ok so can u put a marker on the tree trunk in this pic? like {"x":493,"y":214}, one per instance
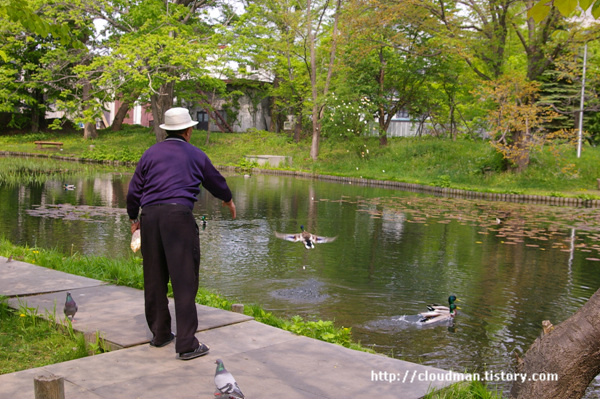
{"x":89,"y":128}
{"x":314,"y":148}
{"x":35,"y":120}
{"x":383,"y":124}
{"x":298,"y":125}
{"x":222,"y":123}
{"x":453,"y":132}
{"x":207,"y":103}
{"x":161,"y":102}
{"x":383,"y":141}
{"x":120,"y":116}
{"x":332,"y":53}
{"x":521,"y":150}
{"x":37,"y":114}
{"x":571,"y":351}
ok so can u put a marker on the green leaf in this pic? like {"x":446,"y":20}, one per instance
{"x":566,"y":7}
{"x":585,"y":4}
{"x":539,"y":11}
{"x":596,"y":9}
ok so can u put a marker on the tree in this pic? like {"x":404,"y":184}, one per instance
{"x":21,"y":54}
{"x":155,"y":49}
{"x":514,"y":118}
{"x":544,"y":42}
{"x":389,"y":54}
{"x":44,"y":64}
{"x":67,"y":64}
{"x":21,"y":12}
{"x":276,"y":45}
{"x":571,"y":350}
{"x":446,"y":100}
{"x":391,"y":80}
{"x":313,"y":30}
{"x":482,"y":31}
{"x":296,"y":42}
{"x":477,"y":30}
{"x":566,"y":7}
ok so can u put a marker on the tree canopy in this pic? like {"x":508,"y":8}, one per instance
{"x":425,"y":60}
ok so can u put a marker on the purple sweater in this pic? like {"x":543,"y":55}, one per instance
{"x":172,"y":172}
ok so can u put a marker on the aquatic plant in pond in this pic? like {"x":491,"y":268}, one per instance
{"x":16,"y":171}
{"x":75,"y":212}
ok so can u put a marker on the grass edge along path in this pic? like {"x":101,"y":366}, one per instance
{"x":28,"y":341}
{"x":464,"y":390}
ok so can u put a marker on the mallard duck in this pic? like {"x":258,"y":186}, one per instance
{"x":438,"y":313}
{"x":69,"y":186}
{"x":307,"y":238}
{"x":435,"y":306}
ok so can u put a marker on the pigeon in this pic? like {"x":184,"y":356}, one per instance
{"x":70,"y":306}
{"x":305,"y":237}
{"x":226,"y":384}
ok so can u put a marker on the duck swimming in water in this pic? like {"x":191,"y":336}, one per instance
{"x":307,"y":238}
{"x":438,"y":313}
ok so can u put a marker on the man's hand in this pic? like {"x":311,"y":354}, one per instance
{"x":231,"y":207}
{"x":135,"y":225}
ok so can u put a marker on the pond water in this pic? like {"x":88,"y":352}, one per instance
{"x":511,"y":265}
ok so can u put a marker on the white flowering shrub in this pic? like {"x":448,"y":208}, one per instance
{"x":345,"y":118}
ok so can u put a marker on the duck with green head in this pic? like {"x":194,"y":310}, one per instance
{"x":437,"y":313}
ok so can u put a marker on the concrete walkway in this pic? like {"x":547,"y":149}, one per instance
{"x":266,"y":361}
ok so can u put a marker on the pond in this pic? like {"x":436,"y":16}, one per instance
{"x":511,"y":265}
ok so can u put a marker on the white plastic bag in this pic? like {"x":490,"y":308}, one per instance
{"x":136,"y":240}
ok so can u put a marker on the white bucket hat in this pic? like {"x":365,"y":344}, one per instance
{"x":177,"y":119}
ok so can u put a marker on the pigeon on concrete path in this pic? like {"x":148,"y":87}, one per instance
{"x":70,"y":306}
{"x":226,"y":384}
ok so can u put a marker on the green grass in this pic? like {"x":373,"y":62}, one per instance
{"x":471,"y":390}
{"x":462,"y":164}
{"x":28,"y":341}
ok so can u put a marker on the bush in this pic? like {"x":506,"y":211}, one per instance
{"x":347,"y":118}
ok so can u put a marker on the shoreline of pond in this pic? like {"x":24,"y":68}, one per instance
{"x":397,"y":185}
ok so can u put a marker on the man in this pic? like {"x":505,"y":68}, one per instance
{"x":165,"y":185}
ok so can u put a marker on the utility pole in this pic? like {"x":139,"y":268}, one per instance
{"x":580,"y":136}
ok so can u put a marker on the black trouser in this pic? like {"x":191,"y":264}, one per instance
{"x":171,"y":248}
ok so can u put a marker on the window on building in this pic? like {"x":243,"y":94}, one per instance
{"x":402,"y":114}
